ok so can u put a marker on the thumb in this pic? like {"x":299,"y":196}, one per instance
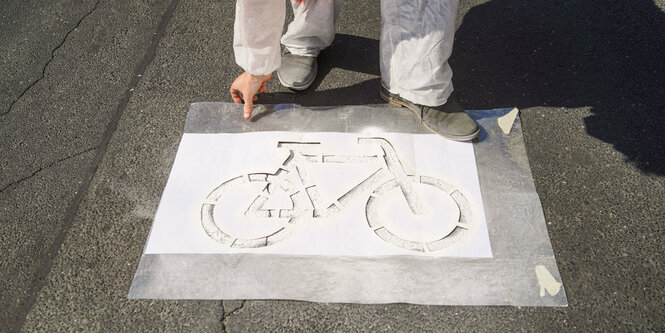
{"x":249,"y":107}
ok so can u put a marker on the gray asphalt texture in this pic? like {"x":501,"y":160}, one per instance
{"x":93,"y":98}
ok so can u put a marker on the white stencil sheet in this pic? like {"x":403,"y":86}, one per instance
{"x":325,"y":193}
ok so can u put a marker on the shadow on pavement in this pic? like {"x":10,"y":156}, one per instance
{"x":605,"y":55}
{"x":608,"y":56}
{"x":356,"y":54}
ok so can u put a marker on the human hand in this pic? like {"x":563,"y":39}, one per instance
{"x":246,"y":87}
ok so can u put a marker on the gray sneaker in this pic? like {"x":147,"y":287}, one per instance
{"x":297,"y":72}
{"x":448,"y":120}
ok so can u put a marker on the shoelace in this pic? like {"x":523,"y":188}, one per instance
{"x":422,"y":111}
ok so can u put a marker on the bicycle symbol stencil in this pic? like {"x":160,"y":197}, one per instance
{"x":304,"y":202}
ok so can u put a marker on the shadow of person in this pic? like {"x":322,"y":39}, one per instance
{"x":573,"y":54}
{"x":352,"y":53}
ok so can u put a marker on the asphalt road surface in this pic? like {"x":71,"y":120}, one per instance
{"x":93,"y":98}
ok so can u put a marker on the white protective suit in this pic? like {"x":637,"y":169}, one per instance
{"x":416,"y":41}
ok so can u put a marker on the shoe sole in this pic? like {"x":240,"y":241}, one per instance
{"x":396,"y":101}
{"x":298,"y":88}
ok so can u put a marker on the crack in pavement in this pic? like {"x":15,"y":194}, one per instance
{"x":46,"y":167}
{"x":40,"y":277}
{"x":227,"y":316}
{"x":49,"y":61}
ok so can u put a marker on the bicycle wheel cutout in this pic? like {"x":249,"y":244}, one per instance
{"x":450,"y":227}
{"x":272,"y":225}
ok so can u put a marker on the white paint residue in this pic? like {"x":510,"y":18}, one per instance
{"x":506,"y":121}
{"x":547,"y":281}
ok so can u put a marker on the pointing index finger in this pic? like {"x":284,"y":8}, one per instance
{"x":249,"y":105}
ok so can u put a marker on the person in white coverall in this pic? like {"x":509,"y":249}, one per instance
{"x":416,"y":42}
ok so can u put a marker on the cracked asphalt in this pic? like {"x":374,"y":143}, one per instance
{"x":93,"y":98}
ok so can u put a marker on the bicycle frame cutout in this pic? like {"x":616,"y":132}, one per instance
{"x":294,"y":179}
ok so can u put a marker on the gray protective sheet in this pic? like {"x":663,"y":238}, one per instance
{"x":522,"y":271}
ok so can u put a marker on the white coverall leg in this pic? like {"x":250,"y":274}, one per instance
{"x":313,"y":26}
{"x":416,"y":41}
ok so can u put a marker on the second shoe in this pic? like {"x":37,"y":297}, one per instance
{"x":297,"y":72}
